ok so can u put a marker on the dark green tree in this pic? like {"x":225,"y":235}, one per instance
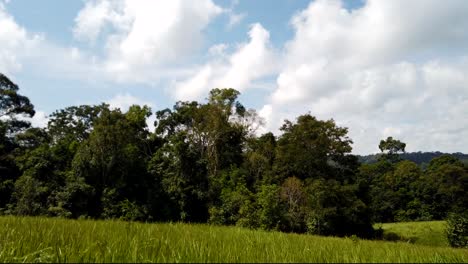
{"x":13,"y":106}
{"x":113,"y":160}
{"x":312,"y":148}
{"x":391,"y":148}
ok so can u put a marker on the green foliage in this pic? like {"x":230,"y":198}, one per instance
{"x":457,"y":229}
{"x":236,"y":208}
{"x":294,"y":195}
{"x":336,"y":210}
{"x":445,"y":187}
{"x":271,"y":209}
{"x":312,"y":148}
{"x":259,"y":160}
{"x":114,"y":158}
{"x":12,"y":103}
{"x":74,"y":122}
{"x":420,"y":158}
{"x":12,"y":106}
{"x":391,"y":146}
{"x":402,"y":191}
{"x":30,"y":196}
{"x":72,"y":200}
{"x":123,"y":209}
{"x":390,"y":149}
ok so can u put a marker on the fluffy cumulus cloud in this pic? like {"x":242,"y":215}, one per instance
{"x":23,"y":50}
{"x":40,"y":119}
{"x":15,"y":43}
{"x":386,"y":68}
{"x":249,"y":62}
{"x":141,"y":35}
{"x":124,"y":101}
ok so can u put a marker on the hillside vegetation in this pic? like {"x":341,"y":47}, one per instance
{"x":420,"y":158}
{"x":58,"y":240}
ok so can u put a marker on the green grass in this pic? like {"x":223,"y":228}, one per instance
{"x":60,"y":240}
{"x":431,"y":233}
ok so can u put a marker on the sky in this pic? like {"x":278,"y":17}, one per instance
{"x":380,"y":68}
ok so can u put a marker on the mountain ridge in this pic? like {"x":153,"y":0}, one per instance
{"x":420,"y":158}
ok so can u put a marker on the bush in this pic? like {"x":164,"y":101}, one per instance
{"x":457,"y":230}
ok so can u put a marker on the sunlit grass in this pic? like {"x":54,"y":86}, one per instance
{"x":59,"y":240}
{"x":431,"y":233}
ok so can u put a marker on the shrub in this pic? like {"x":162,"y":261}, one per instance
{"x":457,"y":230}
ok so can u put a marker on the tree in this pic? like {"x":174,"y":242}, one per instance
{"x":457,"y":229}
{"x":318,"y":153}
{"x":12,"y":107}
{"x":46,"y":161}
{"x":113,"y":159}
{"x":179,"y":170}
{"x":334,"y":209}
{"x":271,"y":209}
{"x":446,"y":185}
{"x":403,"y":186}
{"x":74,"y":122}
{"x":293,"y":194}
{"x":237,"y":202}
{"x":390,"y":148}
{"x":259,"y":157}
{"x":200,"y":142}
{"x":312,"y":148}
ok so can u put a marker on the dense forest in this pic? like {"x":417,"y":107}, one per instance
{"x":421,"y":158}
{"x":205,"y":163}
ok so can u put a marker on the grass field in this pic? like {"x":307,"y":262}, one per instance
{"x":60,"y":240}
{"x":431,"y":233}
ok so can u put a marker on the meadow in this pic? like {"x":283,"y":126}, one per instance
{"x":430,"y":233}
{"x":29,"y":239}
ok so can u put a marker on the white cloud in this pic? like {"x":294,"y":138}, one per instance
{"x":265,"y":112}
{"x":124,"y":101}
{"x":145,"y":34}
{"x":389,"y":67}
{"x":22,"y":50}
{"x":235,"y":19}
{"x":40,"y":119}
{"x":218,"y":50}
{"x":92,"y":19}
{"x":249,"y":62}
{"x":15,"y":43}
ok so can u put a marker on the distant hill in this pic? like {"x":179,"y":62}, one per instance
{"x":421,"y":158}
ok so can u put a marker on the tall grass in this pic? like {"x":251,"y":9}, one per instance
{"x":60,"y":240}
{"x":431,"y":233}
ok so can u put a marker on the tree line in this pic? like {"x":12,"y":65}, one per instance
{"x":204,"y":163}
{"x":420,"y":158}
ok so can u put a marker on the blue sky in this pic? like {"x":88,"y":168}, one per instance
{"x":381,"y":68}
{"x":55,"y":19}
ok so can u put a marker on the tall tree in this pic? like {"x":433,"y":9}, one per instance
{"x":113,"y":160}
{"x":390,"y":149}
{"x":12,"y":106}
{"x":203,"y":140}
{"x":311,"y":148}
